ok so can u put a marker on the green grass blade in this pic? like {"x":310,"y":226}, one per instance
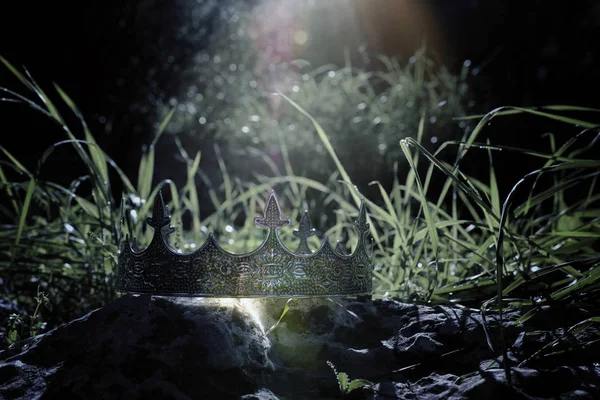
{"x":507,"y":110}
{"x":424,"y":206}
{"x":162,"y":127}
{"x":9,"y":191}
{"x":88,"y":207}
{"x":327,"y":144}
{"x":95,"y":152}
{"x":16,"y":73}
{"x":15,"y":162}
{"x":226,"y":179}
{"x":145,"y":173}
{"x":283,"y":313}
{"x":24,"y":210}
{"x":192,"y":192}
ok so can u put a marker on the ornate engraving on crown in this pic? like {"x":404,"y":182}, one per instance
{"x":270,"y":270}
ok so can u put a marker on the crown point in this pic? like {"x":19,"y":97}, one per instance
{"x":303,"y":232}
{"x":271,"y":218}
{"x":304,"y":229}
{"x":361,"y":223}
{"x":160,"y":213}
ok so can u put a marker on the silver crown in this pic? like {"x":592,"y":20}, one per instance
{"x":270,"y":270}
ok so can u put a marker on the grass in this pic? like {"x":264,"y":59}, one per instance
{"x":465,"y":245}
{"x":385,"y":98}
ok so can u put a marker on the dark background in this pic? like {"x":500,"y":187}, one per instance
{"x":101,"y":53}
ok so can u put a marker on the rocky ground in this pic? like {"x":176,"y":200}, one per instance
{"x":178,"y":348}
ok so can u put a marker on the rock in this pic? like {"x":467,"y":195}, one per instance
{"x":142,"y":346}
{"x":188,"y":348}
{"x":262,"y":394}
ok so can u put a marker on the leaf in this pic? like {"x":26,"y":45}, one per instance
{"x":424,"y":206}
{"x":88,"y":207}
{"x":9,"y":191}
{"x":342,"y":379}
{"x":590,"y":277}
{"x":15,"y":162}
{"x":95,"y":152}
{"x":494,"y":194}
{"x":146,"y":167}
{"x":24,"y":210}
{"x":502,"y":111}
{"x":13,"y":336}
{"x":163,"y":126}
{"x":192,"y":192}
{"x":327,"y":144}
{"x":358,"y":383}
{"x":16,"y":73}
{"x":575,"y":234}
{"x":145,"y":173}
{"x":285,"y":310}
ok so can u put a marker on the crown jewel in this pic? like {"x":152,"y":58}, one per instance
{"x":270,"y":270}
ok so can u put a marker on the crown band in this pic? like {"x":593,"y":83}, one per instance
{"x":270,"y":270}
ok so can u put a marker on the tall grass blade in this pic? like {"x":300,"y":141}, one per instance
{"x":95,"y":152}
{"x":25,"y":210}
{"x":424,"y":205}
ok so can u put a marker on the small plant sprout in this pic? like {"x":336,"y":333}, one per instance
{"x":348,"y":385}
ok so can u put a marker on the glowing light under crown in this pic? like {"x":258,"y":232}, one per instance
{"x":270,"y":270}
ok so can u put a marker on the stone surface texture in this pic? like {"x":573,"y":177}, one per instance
{"x":184,"y":348}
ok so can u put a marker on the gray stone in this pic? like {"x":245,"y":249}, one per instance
{"x":186,"y":348}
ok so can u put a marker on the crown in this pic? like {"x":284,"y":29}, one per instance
{"x":270,"y":270}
